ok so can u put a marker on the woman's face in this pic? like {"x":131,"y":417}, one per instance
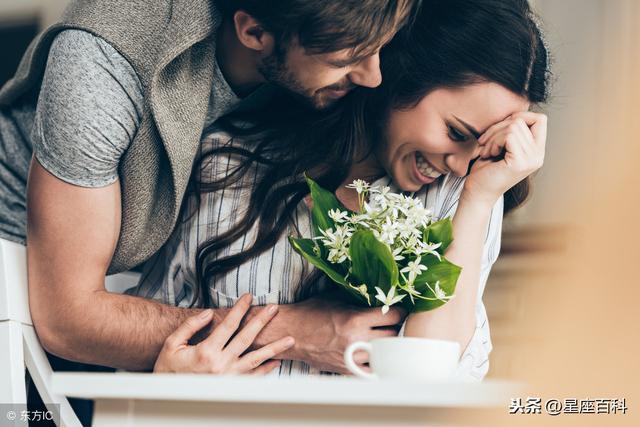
{"x":439,"y":135}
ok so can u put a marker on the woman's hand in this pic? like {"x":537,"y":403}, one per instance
{"x":218,"y":353}
{"x":522,"y":138}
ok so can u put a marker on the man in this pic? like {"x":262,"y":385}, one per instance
{"x":111,"y":102}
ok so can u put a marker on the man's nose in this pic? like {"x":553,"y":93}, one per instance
{"x":367,"y":72}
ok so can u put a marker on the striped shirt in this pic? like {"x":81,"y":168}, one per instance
{"x":279,"y":274}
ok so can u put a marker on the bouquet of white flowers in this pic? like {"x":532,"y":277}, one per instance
{"x":387,"y":250}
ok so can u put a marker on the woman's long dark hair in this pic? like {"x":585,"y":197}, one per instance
{"x":452,"y":43}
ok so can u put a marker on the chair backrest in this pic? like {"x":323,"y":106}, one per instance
{"x":14,"y":293}
{"x":20,"y":339}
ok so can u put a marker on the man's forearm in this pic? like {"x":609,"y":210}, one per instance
{"x":128,"y":332}
{"x":115,"y":330}
{"x":281,"y":326}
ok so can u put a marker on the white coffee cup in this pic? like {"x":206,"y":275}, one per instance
{"x":407,"y":358}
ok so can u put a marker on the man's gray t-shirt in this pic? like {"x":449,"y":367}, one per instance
{"x":88,"y":113}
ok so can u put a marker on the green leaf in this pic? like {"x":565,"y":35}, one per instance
{"x":372,"y":262}
{"x":443,"y":271}
{"x":441,"y":231}
{"x":305,"y":248}
{"x":323,"y":202}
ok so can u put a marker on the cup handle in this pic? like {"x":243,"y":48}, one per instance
{"x":351,"y":364}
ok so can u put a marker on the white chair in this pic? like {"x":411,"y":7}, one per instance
{"x":19,"y":345}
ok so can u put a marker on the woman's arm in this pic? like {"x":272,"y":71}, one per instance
{"x":475,"y":247}
{"x":522,"y":139}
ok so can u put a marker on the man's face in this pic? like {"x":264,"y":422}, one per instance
{"x":321,"y":79}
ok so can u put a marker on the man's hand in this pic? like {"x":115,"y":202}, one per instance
{"x":324,"y":326}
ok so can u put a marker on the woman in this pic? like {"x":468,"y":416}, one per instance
{"x":449,"y":123}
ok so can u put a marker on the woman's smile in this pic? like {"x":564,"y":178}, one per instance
{"x":424,"y":172}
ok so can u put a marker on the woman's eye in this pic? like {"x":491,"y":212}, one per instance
{"x":456,"y":135}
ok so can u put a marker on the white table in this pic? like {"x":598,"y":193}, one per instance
{"x":128,"y":399}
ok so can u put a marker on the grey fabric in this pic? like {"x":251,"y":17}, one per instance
{"x":88,"y":112}
{"x":15,"y":155}
{"x":171,"y":46}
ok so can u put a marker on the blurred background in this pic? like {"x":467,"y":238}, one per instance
{"x":563,"y":299}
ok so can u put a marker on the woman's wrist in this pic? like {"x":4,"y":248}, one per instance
{"x":478,"y":199}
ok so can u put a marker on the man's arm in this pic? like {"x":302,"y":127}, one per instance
{"x":72,"y":234}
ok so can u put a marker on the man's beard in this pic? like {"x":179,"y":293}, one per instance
{"x":274,"y":69}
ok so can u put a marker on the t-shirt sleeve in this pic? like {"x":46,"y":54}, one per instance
{"x":88,"y":112}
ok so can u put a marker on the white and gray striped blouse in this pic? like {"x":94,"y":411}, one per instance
{"x":278,"y":275}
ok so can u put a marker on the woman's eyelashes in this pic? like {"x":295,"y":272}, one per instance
{"x":457,"y":135}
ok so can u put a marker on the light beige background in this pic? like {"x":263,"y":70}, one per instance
{"x":574,"y":330}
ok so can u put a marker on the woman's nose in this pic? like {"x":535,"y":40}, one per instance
{"x":458,"y":163}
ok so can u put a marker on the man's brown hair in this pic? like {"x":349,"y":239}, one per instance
{"x":323,"y":26}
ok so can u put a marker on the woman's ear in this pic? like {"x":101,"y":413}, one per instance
{"x":252,"y":34}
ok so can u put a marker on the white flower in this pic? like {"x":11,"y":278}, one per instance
{"x":431,"y":249}
{"x":384,"y":191}
{"x":414,"y":268}
{"x":389,"y":299}
{"x":338,"y":243}
{"x":338,"y":216}
{"x":388,"y":232}
{"x":439,"y":292}
{"x":407,"y":229}
{"x":328,"y":237}
{"x":361,"y":219}
{"x":412,"y":244}
{"x":411,"y":290}
{"x":364,"y":292}
{"x":380,"y":196}
{"x":369,"y":209}
{"x":339,"y":255}
{"x":419,"y":215}
{"x":359,"y":185}
{"x":397,"y":254}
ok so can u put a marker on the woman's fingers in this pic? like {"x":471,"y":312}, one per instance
{"x":245,"y":337}
{"x":537,"y":123}
{"x":494,"y":146}
{"x":225,"y":330}
{"x":490,"y":133}
{"x":515,"y":137}
{"x":256,"y":358}
{"x":265,"y":368}
{"x":188,"y":329}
